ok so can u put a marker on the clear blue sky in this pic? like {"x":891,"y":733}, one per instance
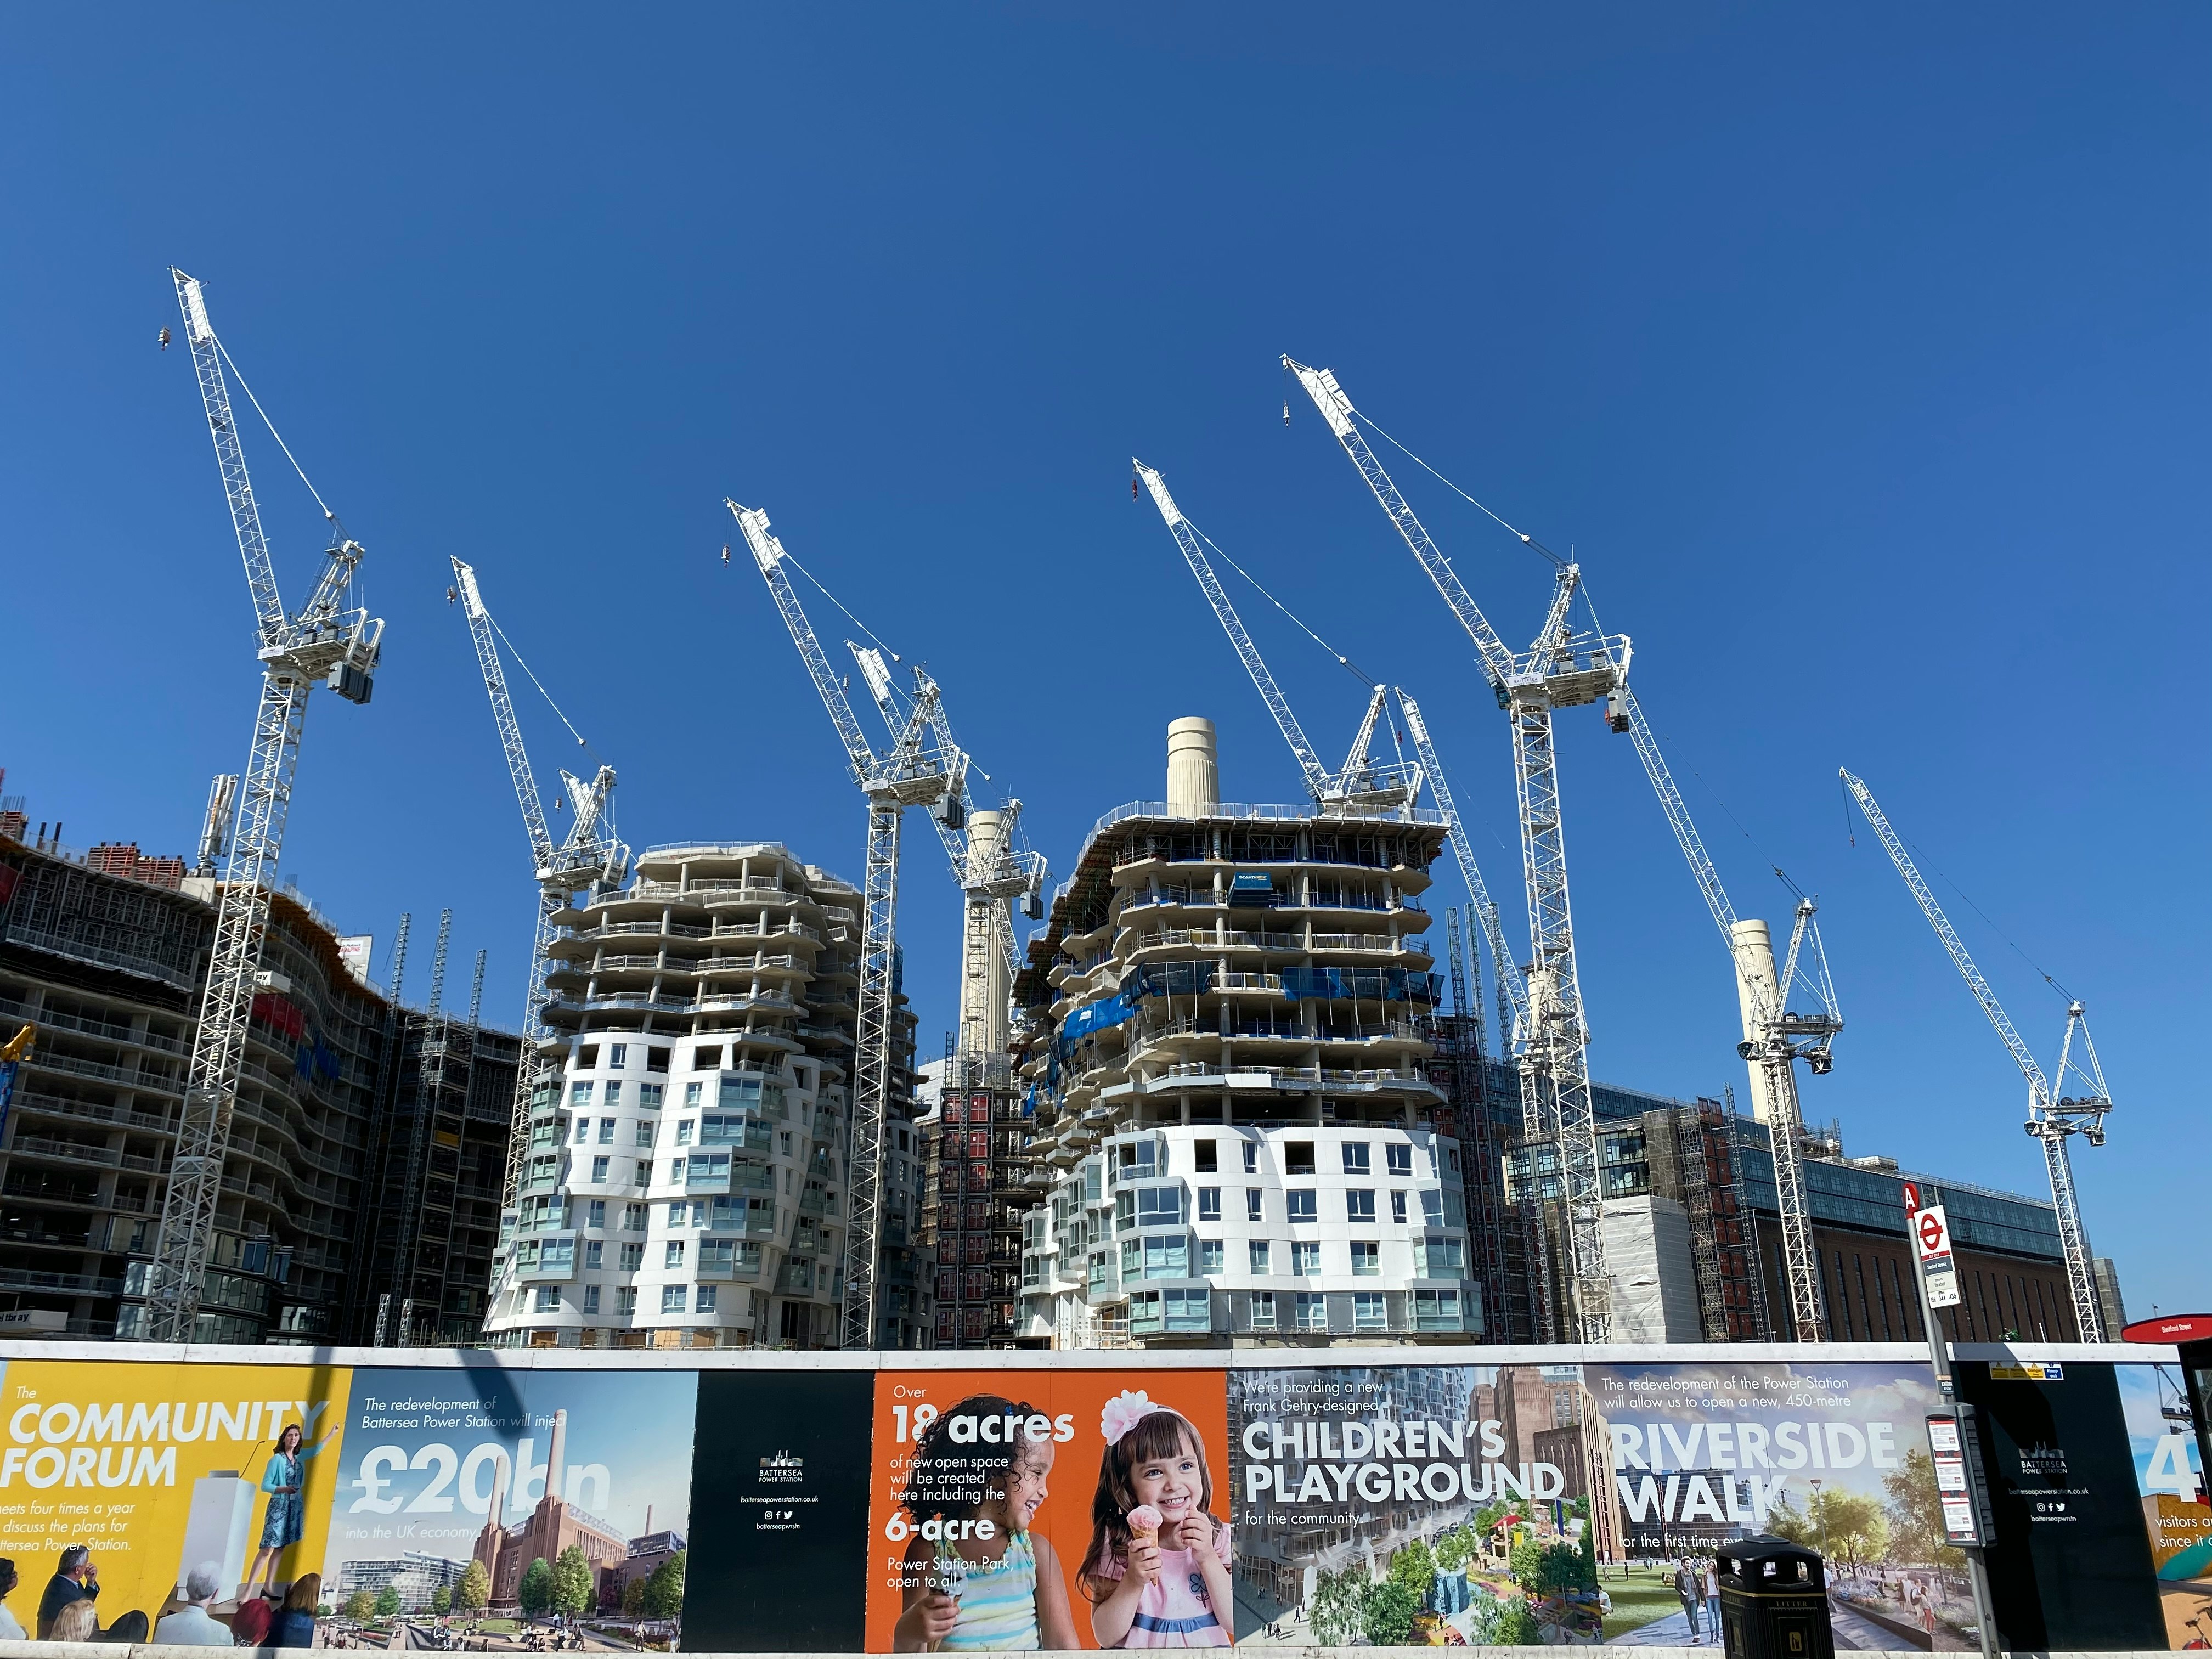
{"x":1861,"y":356}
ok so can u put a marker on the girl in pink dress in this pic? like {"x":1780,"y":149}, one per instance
{"x":1158,"y":1571}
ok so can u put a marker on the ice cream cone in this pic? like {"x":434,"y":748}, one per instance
{"x":1144,"y":1524}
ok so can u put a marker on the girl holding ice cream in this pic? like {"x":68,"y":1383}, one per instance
{"x":977,"y":1578}
{"x":1157,"y":1569}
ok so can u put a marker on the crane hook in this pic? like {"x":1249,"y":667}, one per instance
{"x":451,"y":596}
{"x":1133,"y":495}
{"x":165,"y":338}
{"x":1286,"y":412}
{"x":726,"y":552}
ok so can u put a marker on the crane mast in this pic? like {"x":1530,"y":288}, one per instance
{"x":2052,"y":1117}
{"x":589,"y":855}
{"x":1562,"y":669}
{"x":911,"y":775}
{"x":327,"y":638}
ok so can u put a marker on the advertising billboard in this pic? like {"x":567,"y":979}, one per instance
{"x":2170,"y":1487}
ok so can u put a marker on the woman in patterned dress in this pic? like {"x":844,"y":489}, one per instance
{"x":285,"y":1481}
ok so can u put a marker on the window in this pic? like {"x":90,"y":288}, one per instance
{"x":676,"y":1213}
{"x":707,"y":1298}
{"x":1309,"y":1312}
{"x":1251,"y":1204}
{"x":1263,"y":1310}
{"x":676,"y":1170}
{"x":672,"y":1299}
{"x":625,"y":1299}
{"x":591,"y":1298}
{"x":690,"y":1094}
{"x":1439,"y":1258}
{"x":1167,"y":1255}
{"x":1300,"y":1201}
{"x":1101,"y":1271}
{"x":588,"y":1057}
{"x":632,"y":1258}
{"x":1305,"y":1257}
{"x":1432,"y":1205}
{"x":684,"y":1132}
{"x":595,"y":1214}
{"x":1187,"y":1309}
{"x":649,"y":1097}
{"x":1359,"y":1204}
{"x":549,"y":1299}
{"x":611,"y":1094}
{"x":633,"y":1217}
{"x":618,"y":1057}
{"x":1297,"y":1157}
{"x":706,"y":1059}
{"x":644,"y":1172}
{"x":583,"y":1130}
{"x":1257,"y":1250}
{"x":656,"y":1060}
{"x":1435,"y":1310}
{"x":1209,"y":1203}
{"x":1210,"y":1256}
{"x":1398,"y":1207}
{"x":1400,"y":1160}
{"x":1159,"y":1206}
{"x":579,"y":1094}
{"x":675,"y":1257}
{"x":594,"y":1254}
{"x":1204,"y":1159}
{"x":599,"y":1171}
{"x":1251,"y":1157}
{"x":1370,"y":1312}
{"x":1366,"y":1258}
{"x":606,"y":1132}
{"x":1355,"y":1157}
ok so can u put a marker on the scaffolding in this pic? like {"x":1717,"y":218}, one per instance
{"x":1692,"y":1152}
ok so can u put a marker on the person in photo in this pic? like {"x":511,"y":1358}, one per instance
{"x":192,"y":1625}
{"x":285,"y":1481}
{"x":1157,"y":1572}
{"x":75,"y":1580}
{"x":986,"y":1583}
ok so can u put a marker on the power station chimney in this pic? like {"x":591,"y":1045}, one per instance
{"x":556,"y":1454}
{"x":1754,"y":983}
{"x":1194,"y":771}
{"x":496,"y":1517}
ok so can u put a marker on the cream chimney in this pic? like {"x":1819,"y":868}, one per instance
{"x":1194,"y":771}
{"x":557,"y":1453}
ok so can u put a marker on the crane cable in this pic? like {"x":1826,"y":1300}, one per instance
{"x":271,"y":425}
{"x":1524,"y":536}
{"x":1350,"y":667}
{"x":542,"y":691}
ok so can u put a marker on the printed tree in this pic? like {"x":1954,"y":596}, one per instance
{"x":1337,"y":1617}
{"x":387,"y":1601}
{"x":473,"y":1593}
{"x":1387,"y":1612}
{"x":1916,"y":1516}
{"x":361,"y":1607}
{"x":1853,"y":1526}
{"x":574,"y":1585}
{"x":536,"y":1591}
{"x":442,"y":1599}
{"x":633,"y":1598}
{"x":1454,"y":1547}
{"x":1414,"y":1566}
{"x":664,"y":1588}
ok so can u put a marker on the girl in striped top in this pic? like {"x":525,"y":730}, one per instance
{"x":977,"y":1578}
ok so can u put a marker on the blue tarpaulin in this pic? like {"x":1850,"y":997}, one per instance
{"x":1367,"y":984}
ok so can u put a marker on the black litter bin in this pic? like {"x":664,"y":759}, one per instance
{"x":1774,"y":1601}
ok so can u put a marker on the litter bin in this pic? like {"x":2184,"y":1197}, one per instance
{"x":1774,"y":1601}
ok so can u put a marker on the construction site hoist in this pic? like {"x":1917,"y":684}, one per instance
{"x":328,"y":639}
{"x":1562,"y":669}
{"x":2053,"y":1116}
{"x":912,"y":774}
{"x":590,"y":856}
{"x":1359,"y":783}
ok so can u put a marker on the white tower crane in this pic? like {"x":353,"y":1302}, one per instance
{"x":1562,"y":669}
{"x":589,"y":856}
{"x":911,"y":775}
{"x":2051,"y":1116}
{"x":327,"y":638}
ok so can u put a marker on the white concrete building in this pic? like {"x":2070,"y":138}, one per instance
{"x":1240,"y":1140}
{"x":685,"y":1181}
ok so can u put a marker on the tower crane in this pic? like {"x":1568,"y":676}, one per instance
{"x":589,"y":856}
{"x":2052,"y":1117}
{"x":1562,"y":669}
{"x":912,"y":774}
{"x":330,"y":638}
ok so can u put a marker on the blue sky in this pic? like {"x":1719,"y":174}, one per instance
{"x":1859,"y":356}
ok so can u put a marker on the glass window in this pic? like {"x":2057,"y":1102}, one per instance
{"x":1209,"y":1203}
{"x":579,"y":1094}
{"x":595,"y":1214}
{"x":1366,"y":1257}
{"x":1355,"y":1157}
{"x":1143,"y":1310}
{"x":594,"y":1254}
{"x":684,"y":1132}
{"x":673,"y":1298}
{"x":583,"y":1129}
{"x":591,"y":1298}
{"x":708,"y":1297}
{"x":1370,"y":1312}
{"x":1309,"y":1312}
{"x":1133,"y":1258}
{"x":1256,"y":1251}
{"x":1159,"y":1205}
{"x":1305,"y":1257}
{"x":648,"y":1095}
{"x":626,"y":1299}
{"x":1187,"y":1311}
{"x":1440,"y":1259}
{"x":1398,"y":1207}
{"x":645,"y":1132}
{"x":675,"y":1258}
{"x":1263,"y":1310}
{"x":1400,"y":1160}
{"x":1432,"y":1205}
{"x":1167,"y":1255}
{"x":549,"y":1298}
{"x":1251,"y":1157}
{"x":606,"y":1132}
{"x":1300,"y":1201}
{"x":1251,"y":1204}
{"x":599,"y":1171}
{"x":1210,"y":1256}
{"x":1359,"y":1204}
{"x":1100,"y":1272}
{"x":1435,"y":1310}
{"x":633,"y":1217}
{"x":617,"y":1055}
{"x":677,"y":1210}
{"x":691,"y":1091}
{"x":611,"y":1094}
